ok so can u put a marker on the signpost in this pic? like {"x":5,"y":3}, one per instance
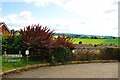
{"x":27,"y":53}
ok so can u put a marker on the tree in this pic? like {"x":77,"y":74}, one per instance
{"x":80,"y":42}
{"x":95,"y":37}
{"x":63,"y":41}
{"x":11,"y":45}
{"x":38,"y":40}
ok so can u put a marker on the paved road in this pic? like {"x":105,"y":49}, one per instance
{"x":91,"y":70}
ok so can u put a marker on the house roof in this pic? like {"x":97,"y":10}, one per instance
{"x":83,"y":46}
{"x":3,"y":24}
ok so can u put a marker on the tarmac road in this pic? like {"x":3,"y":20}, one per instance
{"x":91,"y":70}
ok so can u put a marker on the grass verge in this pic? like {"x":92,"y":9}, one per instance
{"x":22,"y":63}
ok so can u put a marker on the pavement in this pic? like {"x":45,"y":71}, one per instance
{"x":90,"y":70}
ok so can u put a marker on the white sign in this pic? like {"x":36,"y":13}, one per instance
{"x":73,"y":51}
{"x":27,"y":52}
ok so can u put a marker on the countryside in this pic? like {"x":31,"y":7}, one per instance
{"x":50,"y":39}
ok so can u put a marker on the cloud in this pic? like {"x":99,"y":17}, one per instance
{"x":12,"y":0}
{"x":77,"y":5}
{"x":100,"y":17}
{"x":45,"y":3}
{"x":98,"y":26}
{"x":97,"y":13}
{"x":25,"y":18}
{"x":110,"y":11}
{"x":15,"y":21}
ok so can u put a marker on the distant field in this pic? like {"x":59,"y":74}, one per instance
{"x":112,"y":41}
{"x":96,"y":41}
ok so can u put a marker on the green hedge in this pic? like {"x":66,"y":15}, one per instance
{"x":84,"y":56}
{"x":110,"y":54}
{"x":61,"y":55}
{"x":104,"y":54}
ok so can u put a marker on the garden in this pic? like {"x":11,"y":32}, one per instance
{"x":45,"y":48}
{"x":42,"y":46}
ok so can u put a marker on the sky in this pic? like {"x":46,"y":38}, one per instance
{"x":93,"y":17}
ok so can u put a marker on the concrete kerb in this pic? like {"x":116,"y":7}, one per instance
{"x":18,"y":70}
{"x":28,"y":67}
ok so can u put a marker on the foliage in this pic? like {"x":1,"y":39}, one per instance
{"x":11,"y":44}
{"x":101,"y":54}
{"x":95,"y":45}
{"x":63,"y":41}
{"x":61,"y":52}
{"x":80,"y":42}
{"x":61,"y":55}
{"x":94,"y":37}
{"x":38,"y":40}
{"x":84,"y":55}
{"x":110,"y":53}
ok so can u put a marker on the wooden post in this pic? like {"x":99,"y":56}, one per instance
{"x":5,"y":55}
{"x":19,"y":55}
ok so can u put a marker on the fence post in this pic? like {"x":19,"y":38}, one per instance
{"x":19,"y":55}
{"x":5,"y":56}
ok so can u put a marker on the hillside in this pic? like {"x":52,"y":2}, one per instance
{"x":85,"y":36}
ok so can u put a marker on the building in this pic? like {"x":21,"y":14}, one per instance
{"x":4,"y":30}
{"x":79,"y":46}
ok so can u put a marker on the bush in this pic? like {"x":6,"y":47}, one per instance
{"x":38,"y":40}
{"x":11,"y":44}
{"x":61,"y":55}
{"x":82,"y":56}
{"x":110,"y":54}
{"x":95,"y":45}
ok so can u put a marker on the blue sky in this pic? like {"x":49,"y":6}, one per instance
{"x":95,"y":17}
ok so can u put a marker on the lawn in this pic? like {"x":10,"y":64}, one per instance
{"x":12,"y":65}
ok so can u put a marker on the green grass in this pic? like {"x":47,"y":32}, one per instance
{"x":89,"y":41}
{"x":97,"y":41}
{"x":0,"y":63}
{"x":12,"y":65}
{"x":111,"y":41}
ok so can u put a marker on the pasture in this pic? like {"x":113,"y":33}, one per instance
{"x":112,"y":41}
{"x":96,"y":41}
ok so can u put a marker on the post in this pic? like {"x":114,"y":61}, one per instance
{"x":27,"y":53}
{"x":5,"y":55}
{"x":20,"y":55}
{"x":27,"y":59}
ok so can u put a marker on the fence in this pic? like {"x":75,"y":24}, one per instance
{"x":11,"y":57}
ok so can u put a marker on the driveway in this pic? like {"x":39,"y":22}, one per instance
{"x":91,"y":70}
